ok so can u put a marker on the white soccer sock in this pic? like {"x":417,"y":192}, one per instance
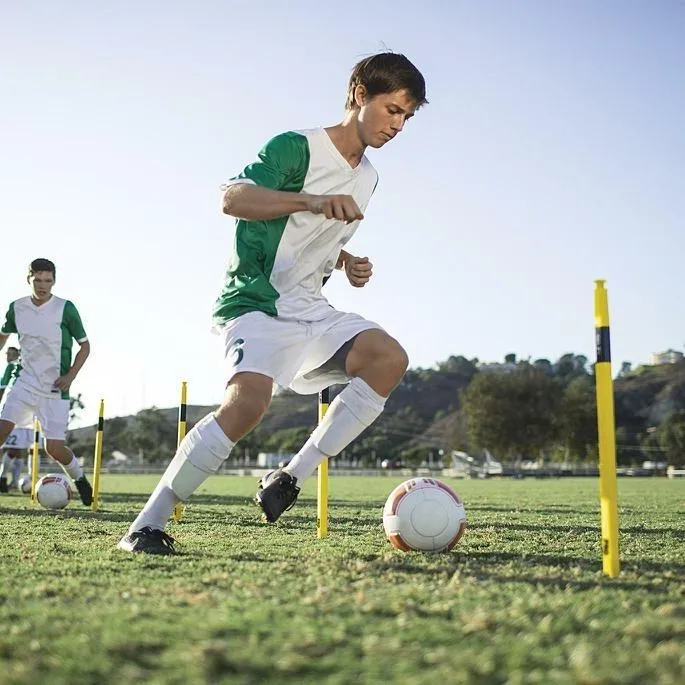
{"x":350,"y":413}
{"x":199,"y":455}
{"x":17,"y":465}
{"x":73,"y":468}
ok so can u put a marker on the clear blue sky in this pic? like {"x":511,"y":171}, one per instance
{"x":552,"y":153}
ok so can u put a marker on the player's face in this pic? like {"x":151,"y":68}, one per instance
{"x":41,"y":285}
{"x":12,"y":356}
{"x":383,"y":116}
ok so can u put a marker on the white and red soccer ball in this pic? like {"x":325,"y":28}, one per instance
{"x":425,"y":515}
{"x":53,"y":491}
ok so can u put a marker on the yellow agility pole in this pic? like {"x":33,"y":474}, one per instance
{"x":97,"y":457}
{"x":180,"y":434}
{"x":607,"y":435}
{"x":34,"y":459}
{"x":322,"y":478}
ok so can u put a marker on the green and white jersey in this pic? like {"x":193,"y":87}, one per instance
{"x":46,"y":336}
{"x":278,"y":266}
{"x":11,"y":374}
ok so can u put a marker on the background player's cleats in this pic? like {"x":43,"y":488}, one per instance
{"x":84,"y":490}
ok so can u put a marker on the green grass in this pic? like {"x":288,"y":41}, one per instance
{"x":521,"y":600}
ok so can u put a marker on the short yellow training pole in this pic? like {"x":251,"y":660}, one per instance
{"x":97,"y":457}
{"x":322,"y":479}
{"x":34,"y":459}
{"x":607,"y":435}
{"x":181,"y":433}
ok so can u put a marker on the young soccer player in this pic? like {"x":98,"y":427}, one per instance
{"x":47,"y":326}
{"x":19,"y":440}
{"x":296,"y":207}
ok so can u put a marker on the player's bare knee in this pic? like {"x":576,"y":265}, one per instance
{"x":393,"y":359}
{"x":398,"y":360}
{"x":52,"y":449}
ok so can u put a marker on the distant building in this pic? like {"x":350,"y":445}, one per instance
{"x":668,"y":357}
{"x":495,"y":367}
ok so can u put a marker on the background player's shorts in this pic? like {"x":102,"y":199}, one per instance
{"x":290,"y":352}
{"x":19,"y":439}
{"x":20,"y":405}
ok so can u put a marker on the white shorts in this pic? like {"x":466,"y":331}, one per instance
{"x":290,"y":352}
{"x":20,"y":405}
{"x":19,"y":439}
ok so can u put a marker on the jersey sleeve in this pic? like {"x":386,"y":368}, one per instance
{"x":6,"y":377}
{"x":72,"y":321}
{"x":10,"y":324}
{"x":281,"y":164}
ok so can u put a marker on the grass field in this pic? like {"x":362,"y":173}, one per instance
{"x":520,"y":600}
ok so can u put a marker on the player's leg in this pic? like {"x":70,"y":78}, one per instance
{"x":15,"y":466}
{"x":23,"y":441}
{"x":53,"y":414}
{"x":63,"y":455}
{"x":258,"y":349}
{"x":4,"y":468}
{"x":376,"y":363}
{"x":201,"y":454}
{"x":16,"y":409}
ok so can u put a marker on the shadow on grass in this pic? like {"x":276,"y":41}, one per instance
{"x":140,"y":498}
{"x":561,"y":583}
{"x":500,"y":558}
{"x":544,"y":528}
{"x":66,"y":513}
{"x":553,"y":510}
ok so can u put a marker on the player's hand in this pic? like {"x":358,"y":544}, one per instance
{"x":63,"y":383}
{"x":339,"y":207}
{"x":359,"y":270}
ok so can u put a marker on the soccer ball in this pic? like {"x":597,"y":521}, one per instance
{"x":53,"y":491}
{"x":425,"y":515}
{"x":25,"y":485}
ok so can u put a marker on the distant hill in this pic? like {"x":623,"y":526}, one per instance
{"x":423,"y":415}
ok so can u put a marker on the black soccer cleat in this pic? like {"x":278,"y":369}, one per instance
{"x":3,"y":485}
{"x":85,"y":491}
{"x":277,"y":493}
{"x":149,"y":541}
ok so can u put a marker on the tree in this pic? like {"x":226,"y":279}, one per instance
{"x":570,"y":366}
{"x":578,"y":418}
{"x":671,"y":437}
{"x":75,"y":405}
{"x":513,"y":415}
{"x":154,"y":434}
{"x":544,"y":365}
{"x":626,"y":368}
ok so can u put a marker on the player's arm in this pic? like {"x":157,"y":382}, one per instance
{"x":255,"y":203}
{"x":74,"y":325}
{"x":65,"y":381}
{"x":5,"y":380}
{"x":269,"y":187}
{"x":357,"y":269}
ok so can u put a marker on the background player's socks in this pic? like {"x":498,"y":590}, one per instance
{"x":17,"y":465}
{"x":73,"y":468}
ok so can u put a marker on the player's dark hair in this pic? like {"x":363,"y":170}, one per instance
{"x":387,"y":72}
{"x":42,"y":264}
{"x":16,"y":349}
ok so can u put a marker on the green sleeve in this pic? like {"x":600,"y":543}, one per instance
{"x":6,"y":376}
{"x":281,"y":164}
{"x":72,"y":321}
{"x":10,"y":325}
